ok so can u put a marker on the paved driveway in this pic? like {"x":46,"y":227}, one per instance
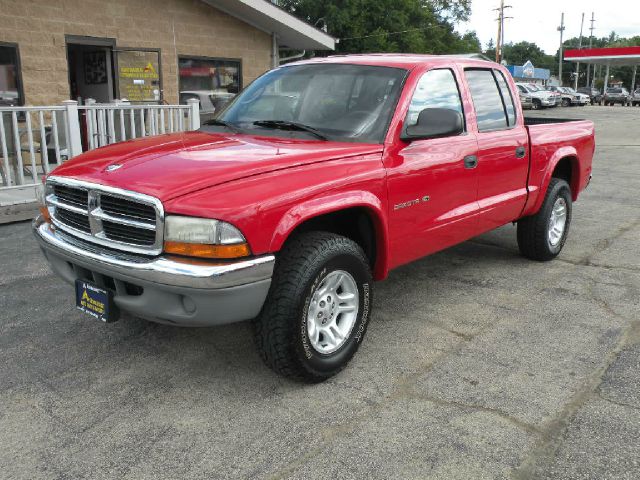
{"x":477,"y":364}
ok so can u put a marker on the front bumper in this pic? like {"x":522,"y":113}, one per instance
{"x":163,"y":289}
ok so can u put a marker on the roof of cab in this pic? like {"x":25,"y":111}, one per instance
{"x":399,"y":60}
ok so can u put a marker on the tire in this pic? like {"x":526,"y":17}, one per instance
{"x":534,"y":238}
{"x":537,"y":105}
{"x":282,"y":330}
{"x":566,"y":103}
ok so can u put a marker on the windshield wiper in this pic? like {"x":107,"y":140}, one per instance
{"x":223,"y":123}
{"x":286,"y":125}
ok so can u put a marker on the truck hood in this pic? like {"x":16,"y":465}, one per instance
{"x":169,"y":166}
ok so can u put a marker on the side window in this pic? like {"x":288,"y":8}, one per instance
{"x":435,"y":89}
{"x":487,"y":100}
{"x":506,"y":97}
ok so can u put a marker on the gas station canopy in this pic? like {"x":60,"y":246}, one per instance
{"x":612,"y":56}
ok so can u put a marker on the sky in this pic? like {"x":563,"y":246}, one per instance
{"x":537,"y":20}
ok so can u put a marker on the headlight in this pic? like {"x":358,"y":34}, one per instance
{"x":203,"y":237}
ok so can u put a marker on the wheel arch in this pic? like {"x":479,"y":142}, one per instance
{"x":356,"y":215}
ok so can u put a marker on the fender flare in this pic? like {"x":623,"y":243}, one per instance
{"x":334,"y":202}
{"x":559,"y":155}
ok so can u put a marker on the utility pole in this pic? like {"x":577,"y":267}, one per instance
{"x":561,"y":30}
{"x":575,"y":85}
{"x":500,"y":39}
{"x":590,"y":44}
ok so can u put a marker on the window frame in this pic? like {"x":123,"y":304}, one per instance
{"x":215,"y":59}
{"x":497,"y":72}
{"x":457,"y":83}
{"x":504,"y":107}
{"x":19,"y":83}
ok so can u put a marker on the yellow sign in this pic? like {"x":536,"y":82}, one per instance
{"x":138,"y":75}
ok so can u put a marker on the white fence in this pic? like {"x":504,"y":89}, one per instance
{"x":34,"y":140}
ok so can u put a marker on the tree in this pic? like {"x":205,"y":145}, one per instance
{"x":412,"y":26}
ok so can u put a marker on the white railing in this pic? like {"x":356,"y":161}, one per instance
{"x":34,"y":140}
{"x":111,"y":123}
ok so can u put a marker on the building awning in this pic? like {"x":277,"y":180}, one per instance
{"x":290,"y":31}
{"x":614,"y":56}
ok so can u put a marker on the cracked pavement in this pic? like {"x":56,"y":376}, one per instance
{"x":477,"y":364}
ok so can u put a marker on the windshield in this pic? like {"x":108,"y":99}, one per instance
{"x":531,"y":88}
{"x":339,"y":101}
{"x":614,"y":90}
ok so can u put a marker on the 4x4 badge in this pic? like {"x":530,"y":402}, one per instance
{"x":113,"y":167}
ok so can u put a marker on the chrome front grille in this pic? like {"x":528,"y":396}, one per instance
{"x":107,"y":216}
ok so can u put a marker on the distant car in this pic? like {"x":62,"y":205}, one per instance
{"x":575,"y":97}
{"x":526,"y":100}
{"x":594,"y":94}
{"x":211,"y":101}
{"x":539,"y":98}
{"x":615,"y":95}
{"x":566,"y":99}
{"x":553,"y":90}
{"x":635,"y":98}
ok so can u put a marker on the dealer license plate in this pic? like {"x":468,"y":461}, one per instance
{"x":95,"y":301}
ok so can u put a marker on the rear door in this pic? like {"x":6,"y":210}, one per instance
{"x":432,"y":182}
{"x":503,"y":153}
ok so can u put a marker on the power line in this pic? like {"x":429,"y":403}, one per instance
{"x":386,"y":33}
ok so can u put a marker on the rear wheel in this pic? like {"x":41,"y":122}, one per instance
{"x":318,"y":307}
{"x":542,"y":236}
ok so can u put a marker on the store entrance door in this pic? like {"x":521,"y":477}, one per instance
{"x":91,"y":69}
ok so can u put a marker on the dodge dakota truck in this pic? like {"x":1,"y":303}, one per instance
{"x":316,"y":180}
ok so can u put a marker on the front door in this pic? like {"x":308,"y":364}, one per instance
{"x":432,"y":183}
{"x":503,"y":153}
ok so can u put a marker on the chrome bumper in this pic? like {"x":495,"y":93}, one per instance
{"x":175,"y":291}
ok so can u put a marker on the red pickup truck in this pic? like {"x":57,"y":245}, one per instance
{"x":319,"y":178}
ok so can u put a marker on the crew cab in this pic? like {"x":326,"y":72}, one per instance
{"x":318,"y":179}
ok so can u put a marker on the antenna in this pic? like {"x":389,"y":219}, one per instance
{"x":575,"y":85}
{"x":561,"y":30}
{"x":591,"y":29}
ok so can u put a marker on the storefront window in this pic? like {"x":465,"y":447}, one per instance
{"x":10,"y":82}
{"x":217,"y":75}
{"x":139,"y":75}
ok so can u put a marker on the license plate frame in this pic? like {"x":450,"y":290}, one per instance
{"x":95,"y":301}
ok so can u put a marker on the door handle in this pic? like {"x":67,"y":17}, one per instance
{"x":470,"y":161}
{"x":520,"y":152}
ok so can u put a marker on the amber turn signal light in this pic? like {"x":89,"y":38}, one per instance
{"x":45,"y":214}
{"x":236,"y":250}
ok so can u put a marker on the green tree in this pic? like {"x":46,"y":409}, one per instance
{"x":411,"y":26}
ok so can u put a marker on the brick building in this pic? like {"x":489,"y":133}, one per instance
{"x":141,"y":50}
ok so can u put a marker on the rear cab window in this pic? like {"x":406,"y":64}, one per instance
{"x":491,"y":99}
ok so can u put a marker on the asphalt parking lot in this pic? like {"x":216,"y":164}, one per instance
{"x":477,"y":364}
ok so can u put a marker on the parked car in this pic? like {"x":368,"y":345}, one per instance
{"x":539,"y":98}
{"x":526,"y":100}
{"x":556,"y":94}
{"x":564,"y":98}
{"x":615,"y":95}
{"x":594,"y":94}
{"x":573,"y":97}
{"x":635,"y":98}
{"x":286,"y":207}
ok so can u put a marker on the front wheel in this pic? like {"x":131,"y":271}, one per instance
{"x":542,"y":236}
{"x":537,"y":105}
{"x":318,"y":307}
{"x":566,"y":102}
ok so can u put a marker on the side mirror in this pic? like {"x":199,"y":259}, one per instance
{"x":433,"y":123}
